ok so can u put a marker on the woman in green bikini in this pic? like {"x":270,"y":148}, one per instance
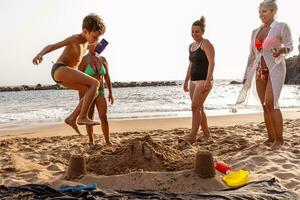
{"x":97,"y":67}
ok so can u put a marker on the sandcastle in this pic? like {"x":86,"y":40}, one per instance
{"x":77,"y":167}
{"x":204,"y":164}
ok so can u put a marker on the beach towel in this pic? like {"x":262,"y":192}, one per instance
{"x":266,"y":189}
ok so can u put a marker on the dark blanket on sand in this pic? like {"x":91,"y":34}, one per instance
{"x":267,"y":189}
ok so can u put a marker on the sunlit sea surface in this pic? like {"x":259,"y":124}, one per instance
{"x":51,"y":106}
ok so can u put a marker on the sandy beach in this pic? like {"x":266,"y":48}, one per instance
{"x":146,"y":153}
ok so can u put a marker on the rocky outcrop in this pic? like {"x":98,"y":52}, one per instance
{"x":114,"y":84}
{"x":293,"y":69}
{"x":26,"y":87}
{"x":144,"y":84}
{"x":235,"y":82}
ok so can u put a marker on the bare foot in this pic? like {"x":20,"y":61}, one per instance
{"x":276,"y":145}
{"x":187,"y":138}
{"x":73,"y":124}
{"x":269,"y":142}
{"x":87,"y":121}
{"x":92,"y":143}
{"x":205,"y":136}
{"x":108,"y":144}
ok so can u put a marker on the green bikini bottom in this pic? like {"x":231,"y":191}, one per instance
{"x":100,"y":92}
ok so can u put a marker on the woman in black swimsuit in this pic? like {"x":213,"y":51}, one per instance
{"x":198,"y":80}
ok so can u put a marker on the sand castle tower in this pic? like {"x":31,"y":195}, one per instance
{"x":77,"y":167}
{"x":204,"y":164}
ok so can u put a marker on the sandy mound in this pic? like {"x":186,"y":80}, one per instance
{"x":140,"y":154}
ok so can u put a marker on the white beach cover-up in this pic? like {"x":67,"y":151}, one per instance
{"x":279,"y":36}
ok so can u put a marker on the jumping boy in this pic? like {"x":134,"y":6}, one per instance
{"x":65,"y":72}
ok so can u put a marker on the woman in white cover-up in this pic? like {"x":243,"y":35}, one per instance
{"x":269,"y":45}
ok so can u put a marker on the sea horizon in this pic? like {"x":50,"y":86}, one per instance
{"x":140,"y":81}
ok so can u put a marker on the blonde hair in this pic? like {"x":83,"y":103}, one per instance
{"x":201,"y":23}
{"x":270,"y":4}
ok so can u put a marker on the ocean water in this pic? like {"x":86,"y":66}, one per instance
{"x":47,"y":106}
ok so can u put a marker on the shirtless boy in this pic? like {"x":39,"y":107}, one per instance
{"x":65,"y":72}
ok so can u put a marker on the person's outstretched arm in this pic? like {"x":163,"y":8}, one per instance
{"x":286,"y":41}
{"x":108,"y":82}
{"x":51,"y":47}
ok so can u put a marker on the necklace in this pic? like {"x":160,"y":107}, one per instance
{"x":196,"y":45}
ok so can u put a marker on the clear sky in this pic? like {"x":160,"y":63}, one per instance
{"x":148,"y":39}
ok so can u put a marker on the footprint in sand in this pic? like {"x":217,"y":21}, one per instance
{"x":44,"y":156}
{"x":270,"y":170}
{"x":250,"y":166}
{"x":291,"y":184}
{"x":259,"y":160}
{"x":289,"y":166}
{"x":279,"y":160}
{"x":250,"y":153}
{"x":12,"y":181}
{"x":284,"y":176}
{"x":27,"y":149}
{"x":237,"y":165}
{"x":55,"y":167}
{"x":27,"y":175}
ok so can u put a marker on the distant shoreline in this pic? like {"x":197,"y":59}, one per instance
{"x":114,"y":84}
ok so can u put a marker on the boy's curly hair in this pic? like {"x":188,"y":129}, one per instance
{"x":93,"y":22}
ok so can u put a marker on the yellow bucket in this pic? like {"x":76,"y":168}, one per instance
{"x":236,"y":178}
